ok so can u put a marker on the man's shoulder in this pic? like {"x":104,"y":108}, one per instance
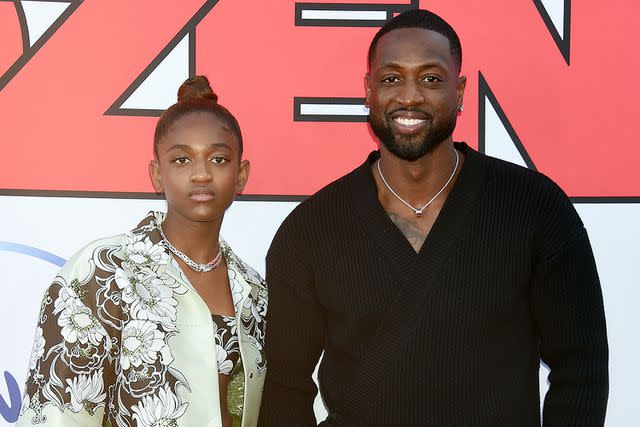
{"x":333,"y":194}
{"x":534,"y":195}
{"x":320,"y":209}
{"x":513,"y":178}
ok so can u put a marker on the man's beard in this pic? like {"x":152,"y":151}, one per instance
{"x":413,"y":147}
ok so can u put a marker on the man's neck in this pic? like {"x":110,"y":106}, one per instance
{"x":423,"y":184}
{"x":419,"y":180}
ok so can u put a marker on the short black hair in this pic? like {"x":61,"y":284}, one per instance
{"x":420,"y":18}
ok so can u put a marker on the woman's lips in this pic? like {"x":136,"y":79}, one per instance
{"x":201,"y":196}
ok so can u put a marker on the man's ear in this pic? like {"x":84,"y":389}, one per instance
{"x":367,"y":89}
{"x":460,"y":86}
{"x":154,"y":174}
{"x":243,"y":175}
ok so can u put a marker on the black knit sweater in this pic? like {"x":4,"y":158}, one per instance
{"x":511,"y":281}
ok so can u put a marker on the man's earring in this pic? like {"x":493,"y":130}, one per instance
{"x":460,"y":108}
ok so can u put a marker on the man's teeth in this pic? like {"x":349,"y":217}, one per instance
{"x":408,"y":122}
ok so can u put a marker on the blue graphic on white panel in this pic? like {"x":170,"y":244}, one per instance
{"x":31,"y":251}
{"x":40,"y":15}
{"x":10,"y":411}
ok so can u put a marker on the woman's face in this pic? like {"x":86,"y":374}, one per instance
{"x":198,"y":168}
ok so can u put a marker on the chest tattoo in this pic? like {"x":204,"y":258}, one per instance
{"x":413,"y":232}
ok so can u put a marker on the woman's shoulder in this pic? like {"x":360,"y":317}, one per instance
{"x":236,"y":263}
{"x":113,"y":249}
{"x":101,"y":252}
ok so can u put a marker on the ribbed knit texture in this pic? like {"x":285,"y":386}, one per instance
{"x":505,"y":278}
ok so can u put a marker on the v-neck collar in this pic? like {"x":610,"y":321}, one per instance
{"x":393,"y":246}
{"x":242,"y":282}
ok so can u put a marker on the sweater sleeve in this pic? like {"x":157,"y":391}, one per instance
{"x":568,"y":308}
{"x":295,"y":330}
{"x":70,"y":367}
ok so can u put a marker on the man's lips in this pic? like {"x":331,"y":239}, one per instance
{"x":409,"y":122}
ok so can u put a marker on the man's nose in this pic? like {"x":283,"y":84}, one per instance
{"x":410,"y":93}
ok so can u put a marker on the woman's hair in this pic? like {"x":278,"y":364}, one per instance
{"x":195,"y":96}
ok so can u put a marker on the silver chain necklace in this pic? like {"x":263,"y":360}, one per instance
{"x":418,"y":211}
{"x":200,"y":268}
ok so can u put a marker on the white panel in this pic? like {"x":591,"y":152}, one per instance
{"x":361,"y":15}
{"x":72,"y":222}
{"x":249,"y":228}
{"x":334,"y":109}
{"x":318,"y":405}
{"x":614,"y":231}
{"x":40,"y":15}
{"x":158,"y":91}
{"x":63,"y":225}
{"x":555,"y":9}
{"x":544,"y":384}
{"x":498,"y":143}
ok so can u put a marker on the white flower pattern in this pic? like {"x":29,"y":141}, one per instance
{"x":38,"y":348}
{"x":142,"y":251}
{"x":104,"y":340}
{"x":148,"y":296}
{"x":79,"y":324}
{"x":226,"y":339}
{"x":142,"y":341}
{"x":87,"y":391}
{"x":66,"y":297}
{"x":159,"y":410}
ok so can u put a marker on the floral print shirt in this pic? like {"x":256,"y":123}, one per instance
{"x":227,"y":348}
{"x":123,"y":339}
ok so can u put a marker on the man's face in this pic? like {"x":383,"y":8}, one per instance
{"x":413,"y":91}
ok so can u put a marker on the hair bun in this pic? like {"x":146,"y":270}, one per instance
{"x":196,"y":87}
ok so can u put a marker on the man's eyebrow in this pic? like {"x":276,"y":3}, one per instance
{"x":398,"y":66}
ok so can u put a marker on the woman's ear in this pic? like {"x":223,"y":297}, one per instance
{"x":156,"y":178}
{"x":243,"y":175}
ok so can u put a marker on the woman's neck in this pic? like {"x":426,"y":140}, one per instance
{"x":196,"y":239}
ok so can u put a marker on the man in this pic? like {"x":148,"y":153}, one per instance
{"x":433,"y":277}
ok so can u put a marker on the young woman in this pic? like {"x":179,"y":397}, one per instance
{"x":164,"y":325}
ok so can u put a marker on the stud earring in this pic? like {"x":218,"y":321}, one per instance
{"x":460,"y":108}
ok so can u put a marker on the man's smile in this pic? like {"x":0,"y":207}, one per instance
{"x":408,"y":122}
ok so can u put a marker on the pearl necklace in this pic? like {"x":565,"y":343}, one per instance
{"x":418,"y":211}
{"x":200,"y":268}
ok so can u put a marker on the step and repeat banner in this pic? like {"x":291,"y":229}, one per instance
{"x":550,"y":87}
